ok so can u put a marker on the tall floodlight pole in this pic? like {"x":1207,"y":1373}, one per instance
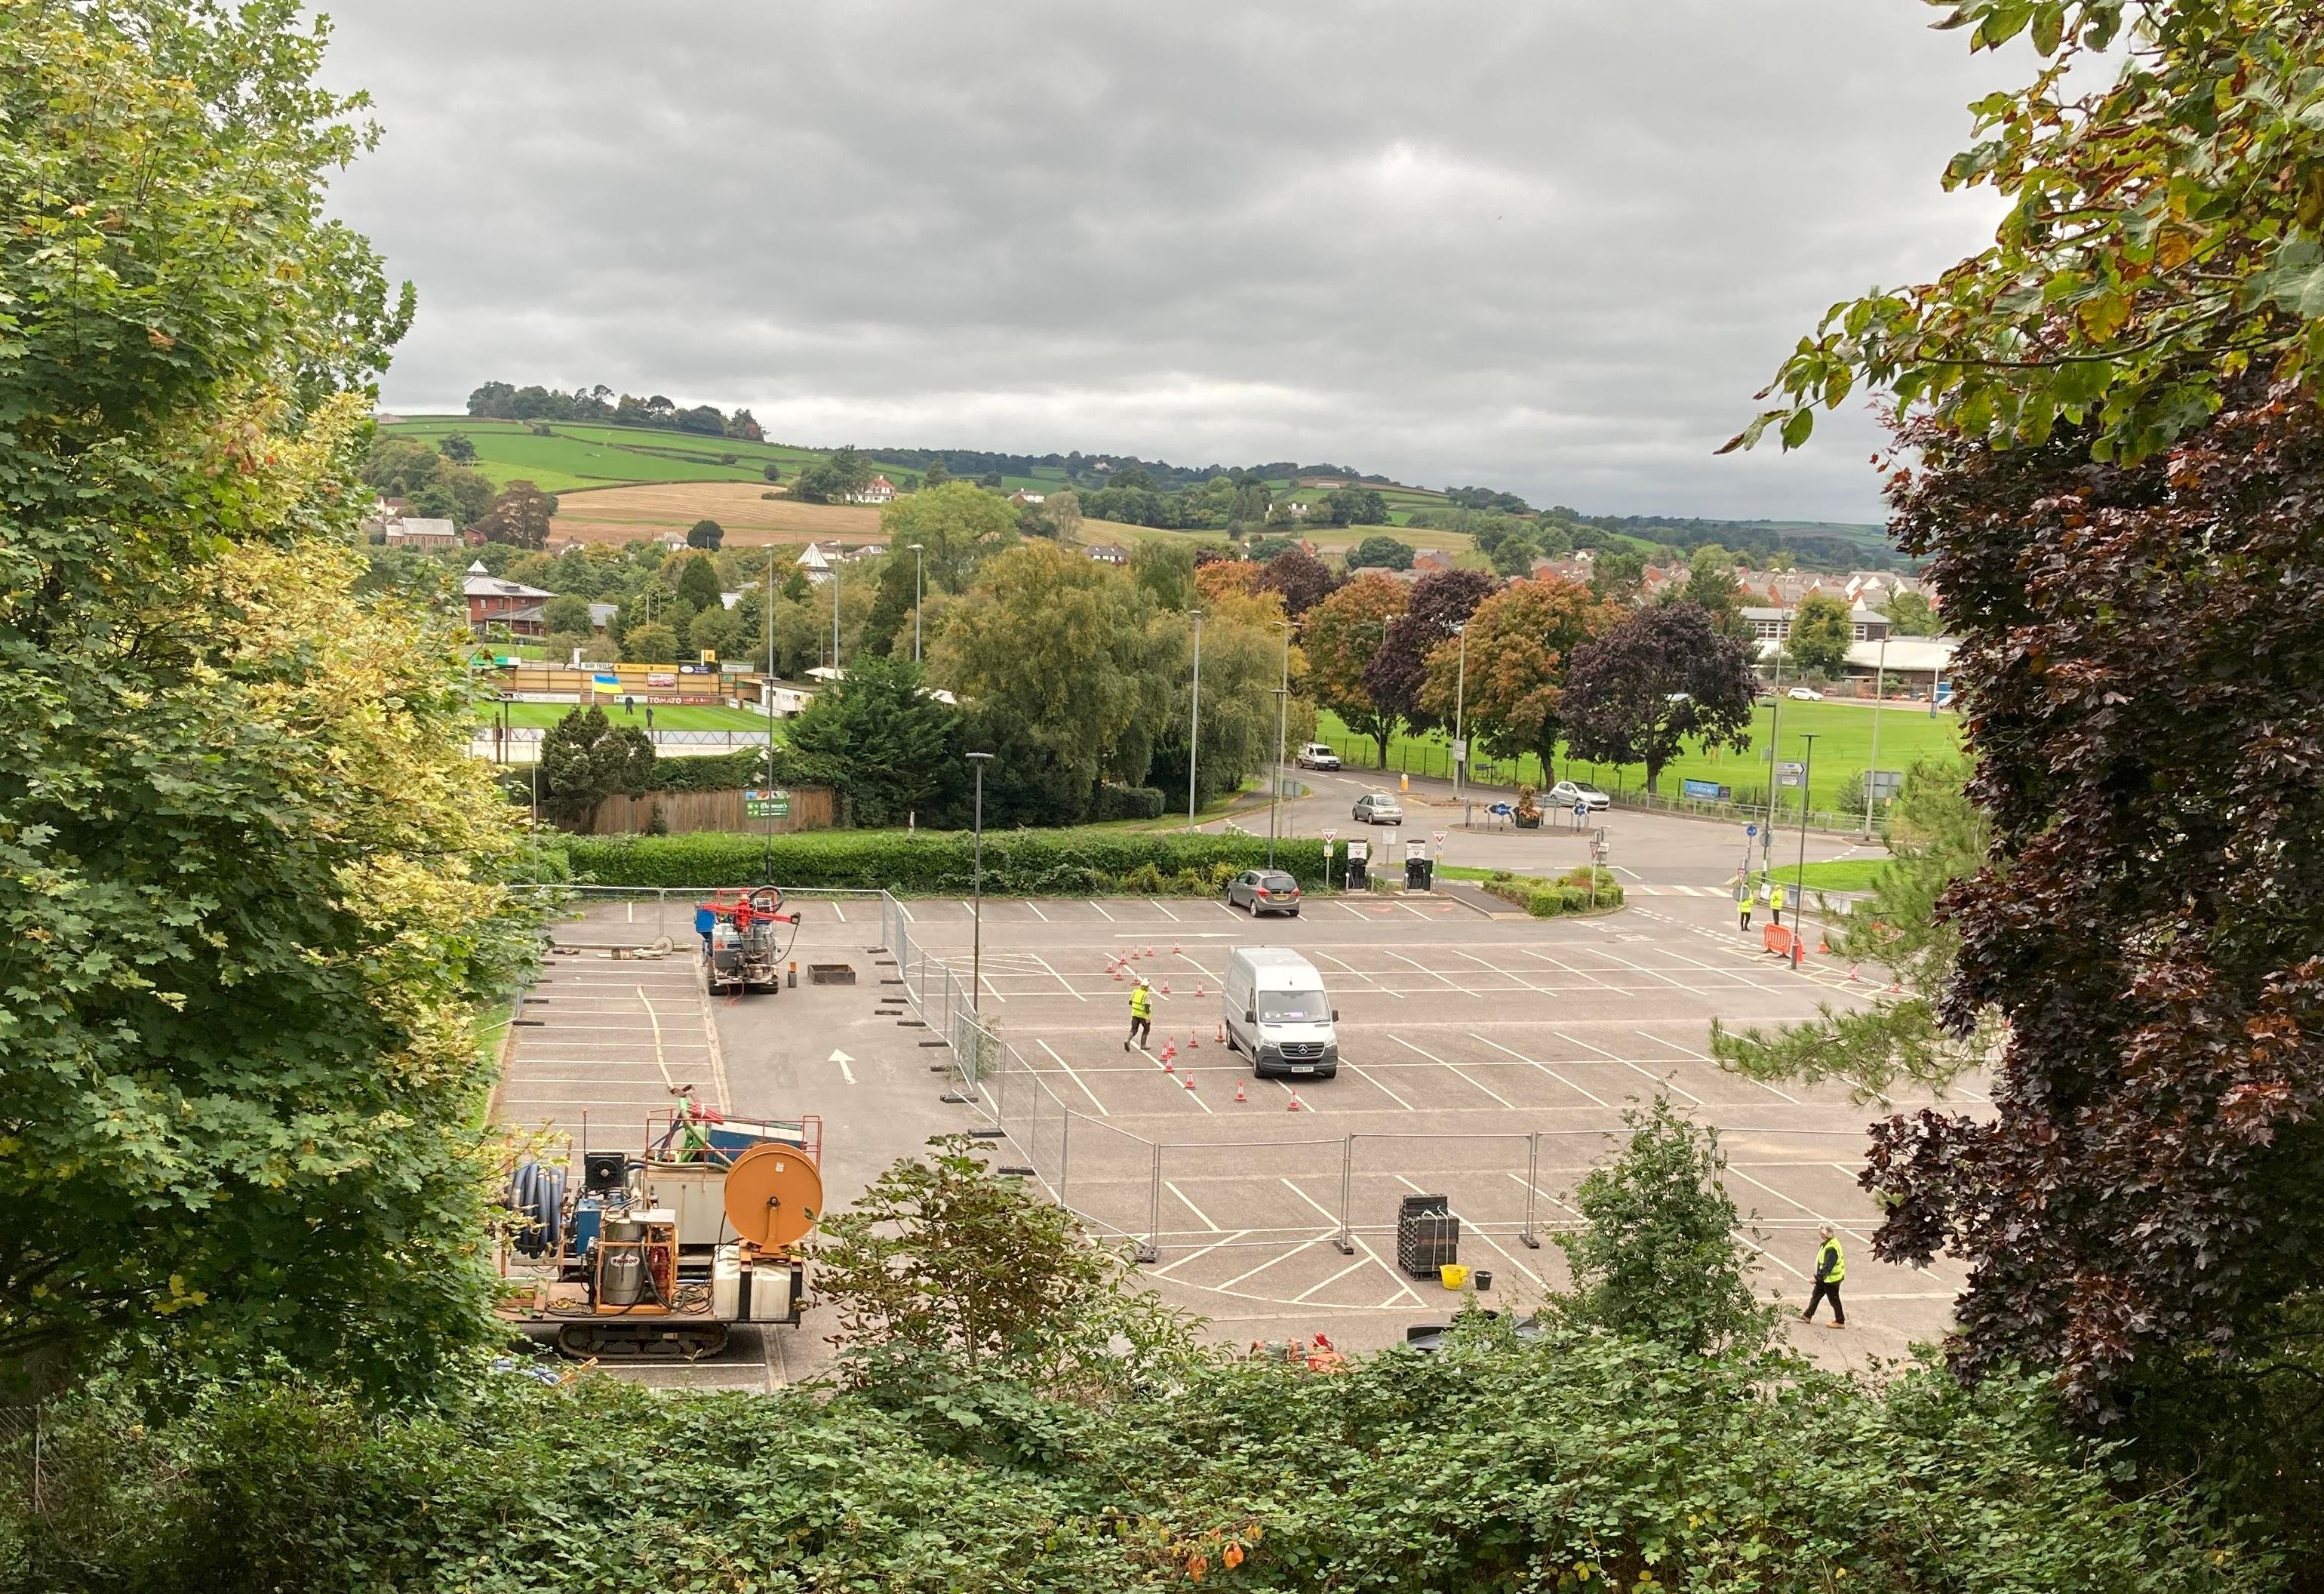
{"x":976,"y":951}
{"x":1872,"y":779}
{"x":1460,"y":701}
{"x":1775,"y":748}
{"x":1195,"y":722}
{"x":835,"y":614}
{"x":1799,"y":902}
{"x":1282,"y":711}
{"x":917,"y":562}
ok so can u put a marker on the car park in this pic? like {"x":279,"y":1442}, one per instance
{"x":1563,"y":795}
{"x":1264,"y":891}
{"x":1804,"y":694}
{"x":1379,"y":808}
{"x":1316,"y":756}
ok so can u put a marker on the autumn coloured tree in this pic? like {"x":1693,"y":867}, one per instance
{"x":1397,"y":672}
{"x":519,"y":515}
{"x":1340,"y":636}
{"x":1521,"y":641}
{"x":1303,"y":579}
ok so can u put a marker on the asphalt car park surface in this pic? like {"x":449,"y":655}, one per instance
{"x":1485,"y":1059}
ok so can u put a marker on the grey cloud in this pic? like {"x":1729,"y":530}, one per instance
{"x":1555,"y":248}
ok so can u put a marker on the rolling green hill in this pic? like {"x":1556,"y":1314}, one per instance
{"x":579,"y":454}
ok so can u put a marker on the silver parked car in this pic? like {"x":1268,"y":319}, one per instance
{"x":1563,"y":795}
{"x":1264,"y":891}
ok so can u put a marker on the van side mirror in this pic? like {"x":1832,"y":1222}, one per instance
{"x":1336,"y":1016}
{"x":1250,"y":1015}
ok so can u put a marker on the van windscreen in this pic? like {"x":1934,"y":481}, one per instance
{"x":1293,"y":1007}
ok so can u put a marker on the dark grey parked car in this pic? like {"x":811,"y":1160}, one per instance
{"x":1264,"y":891}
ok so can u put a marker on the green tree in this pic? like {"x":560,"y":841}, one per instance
{"x":1910,"y":614}
{"x":892,"y":608}
{"x":655,"y":641}
{"x":706,"y":533}
{"x":698,"y":586}
{"x":943,"y":1267}
{"x":457,"y":447}
{"x":1660,"y":677}
{"x":1616,"y":574}
{"x":585,"y":758}
{"x":1711,"y":587}
{"x":1657,"y":1257}
{"x":1053,"y":647}
{"x":1380,"y":552}
{"x":520,"y":516}
{"x":247,"y":868}
{"x":1358,"y":507}
{"x":887,"y":740}
{"x":957,"y":525}
{"x":1821,"y":634}
{"x":568,"y":612}
{"x":834,"y":479}
{"x":1936,"y":836}
{"x":1165,"y":570}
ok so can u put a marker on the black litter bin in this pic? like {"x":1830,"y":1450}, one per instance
{"x":1418,"y":872}
{"x":1427,"y":1236}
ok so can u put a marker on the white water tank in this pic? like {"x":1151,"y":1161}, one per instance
{"x":726,"y":1282}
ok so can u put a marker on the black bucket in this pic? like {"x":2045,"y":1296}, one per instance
{"x":1484,"y":1281}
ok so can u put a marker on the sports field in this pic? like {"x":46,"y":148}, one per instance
{"x":1843,"y":751}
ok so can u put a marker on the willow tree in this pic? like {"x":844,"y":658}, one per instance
{"x":246,"y":867}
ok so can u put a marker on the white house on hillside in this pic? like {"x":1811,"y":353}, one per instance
{"x":880,"y":490}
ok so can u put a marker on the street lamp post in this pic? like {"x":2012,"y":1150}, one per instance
{"x":1282,"y":711}
{"x":1195,"y":723}
{"x":1460,"y":701}
{"x":1872,"y":778}
{"x":834,"y":618}
{"x":917,"y":562}
{"x":976,"y":942}
{"x":1799,"y":905}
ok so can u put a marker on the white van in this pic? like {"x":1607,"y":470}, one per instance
{"x":1278,"y":1015}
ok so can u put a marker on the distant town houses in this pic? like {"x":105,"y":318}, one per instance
{"x":509,"y":606}
{"x":1022,"y":496}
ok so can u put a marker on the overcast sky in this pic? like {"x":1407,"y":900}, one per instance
{"x":1540,"y":244}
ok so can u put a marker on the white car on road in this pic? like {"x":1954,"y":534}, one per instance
{"x":1563,"y":795}
{"x":1804,"y":694}
{"x":1316,"y":756}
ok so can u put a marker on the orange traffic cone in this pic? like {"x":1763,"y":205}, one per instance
{"x":1117,"y":971}
{"x":1295,"y":1103}
{"x":1150,"y":952}
{"x":1851,"y":974}
{"x":1238,"y":1095}
{"x":1165,"y":987}
{"x":1193,"y":1041}
{"x":1174,"y":949}
{"x":1222,"y":1031}
{"x":1167,"y":1066}
{"x":1189,"y":1078}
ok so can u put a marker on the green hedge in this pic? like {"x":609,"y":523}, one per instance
{"x":1568,"y":894}
{"x":1016,"y":862}
{"x":1127,"y":802}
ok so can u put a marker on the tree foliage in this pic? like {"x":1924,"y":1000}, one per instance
{"x":1936,"y":836}
{"x":835,"y":478}
{"x":520,"y":516}
{"x":1821,"y":634}
{"x":1661,"y":676}
{"x":585,"y":758}
{"x":1380,"y":552}
{"x":2164,"y":235}
{"x":1521,"y":641}
{"x":1396,"y":675}
{"x":957,"y":525}
{"x":1303,"y":579}
{"x":1341,"y":637}
{"x":249,"y":868}
{"x":706,"y":533}
{"x":887,"y":743}
{"x":1656,"y":1256}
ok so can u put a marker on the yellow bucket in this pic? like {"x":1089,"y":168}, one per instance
{"x":1455,"y":1274}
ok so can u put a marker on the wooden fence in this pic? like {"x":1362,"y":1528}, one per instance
{"x":811,"y":809}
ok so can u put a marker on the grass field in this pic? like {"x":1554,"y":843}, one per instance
{"x":619,"y":515}
{"x":541,"y":716}
{"x":1846,"y":873}
{"x":585,"y":454}
{"x":1843,"y":751}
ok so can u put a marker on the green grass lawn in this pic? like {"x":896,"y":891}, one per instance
{"x":666,"y":716}
{"x":1843,"y":751}
{"x":585,"y":454}
{"x":1846,"y":873}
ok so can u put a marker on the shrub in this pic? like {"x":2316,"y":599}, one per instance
{"x":1022,"y":863}
{"x":1545,"y":905}
{"x":1127,"y":802}
{"x":1577,"y":901}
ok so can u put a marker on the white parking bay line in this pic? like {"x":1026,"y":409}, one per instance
{"x":1544,"y":1068}
{"x":1700,"y":1057}
{"x":1360,"y":974}
{"x":1043,"y":917}
{"x":1100,"y":910}
{"x":1271,"y":1262}
{"x":1075,"y":1078}
{"x":1060,"y":979}
{"x":1194,"y":1256}
{"x":1358,"y":1265}
{"x":1171,"y":1185}
{"x":1432,"y":973}
{"x":837,"y":913}
{"x":1432,"y":1057}
{"x":1368,"y":1080}
{"x":1166,"y":913}
{"x":1625,"y":1062}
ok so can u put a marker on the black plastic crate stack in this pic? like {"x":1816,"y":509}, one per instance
{"x":1428,"y":1235}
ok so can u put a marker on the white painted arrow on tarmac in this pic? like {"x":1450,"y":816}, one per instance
{"x":842,"y":1060}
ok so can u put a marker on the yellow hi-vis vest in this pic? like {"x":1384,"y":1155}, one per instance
{"x":1141,"y":1002}
{"x":1777,"y":899}
{"x":1831,"y":1265}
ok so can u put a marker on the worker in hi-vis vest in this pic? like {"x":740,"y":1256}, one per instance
{"x":1832,"y":1267}
{"x":1775,"y":903}
{"x":1743,"y":902}
{"x":1142,"y":1015}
